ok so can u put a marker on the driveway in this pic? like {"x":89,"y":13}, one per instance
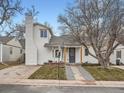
{"x":18,"y":72}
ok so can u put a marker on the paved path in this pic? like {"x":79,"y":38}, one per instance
{"x":18,"y":72}
{"x":121,"y":67}
{"x":85,"y":73}
{"x":77,"y":73}
{"x":69,"y":73}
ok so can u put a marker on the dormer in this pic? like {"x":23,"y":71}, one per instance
{"x":42,"y":32}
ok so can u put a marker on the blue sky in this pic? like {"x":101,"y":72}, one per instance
{"x":48,"y":11}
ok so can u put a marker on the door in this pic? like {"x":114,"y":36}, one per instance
{"x":71,"y":55}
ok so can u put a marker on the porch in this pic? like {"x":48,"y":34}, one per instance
{"x":68,"y":55}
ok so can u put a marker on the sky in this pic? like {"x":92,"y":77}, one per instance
{"x":48,"y":11}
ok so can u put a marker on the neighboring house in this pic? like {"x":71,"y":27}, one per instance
{"x":42,"y":46}
{"x":11,"y":49}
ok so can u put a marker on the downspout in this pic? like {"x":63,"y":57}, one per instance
{"x":1,"y":52}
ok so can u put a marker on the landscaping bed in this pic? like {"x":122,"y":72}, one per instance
{"x":111,"y":74}
{"x":50,"y":71}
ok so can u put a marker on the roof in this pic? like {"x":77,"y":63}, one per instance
{"x":44,"y":27}
{"x":5,"y":39}
{"x":22,"y":42}
{"x":66,"y":40}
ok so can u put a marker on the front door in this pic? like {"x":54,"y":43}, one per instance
{"x":71,"y":55}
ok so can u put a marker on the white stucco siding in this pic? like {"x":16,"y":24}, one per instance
{"x":89,"y":58}
{"x":44,"y":53}
{"x":77,"y":55}
{"x":30,"y":48}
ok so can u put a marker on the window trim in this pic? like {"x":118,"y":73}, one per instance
{"x":86,"y":52}
{"x":118,"y":54}
{"x":43,"y":33}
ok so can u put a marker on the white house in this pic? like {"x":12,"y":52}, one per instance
{"x":42,"y":46}
{"x":11,"y":49}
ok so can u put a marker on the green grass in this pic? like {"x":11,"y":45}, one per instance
{"x":112,"y":74}
{"x":3,"y":66}
{"x":49,"y":72}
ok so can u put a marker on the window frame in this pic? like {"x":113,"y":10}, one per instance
{"x":43,"y":33}
{"x":118,"y":54}
{"x":86,"y":52}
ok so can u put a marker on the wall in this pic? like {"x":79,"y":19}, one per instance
{"x":30,"y":48}
{"x":7,"y":57}
{"x":89,"y":59}
{"x":44,"y":53}
{"x":113,"y":56}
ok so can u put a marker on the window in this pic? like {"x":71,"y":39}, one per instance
{"x":20,"y":51}
{"x":10,"y":50}
{"x":118,"y":54}
{"x":43,"y":33}
{"x":86,"y":52}
{"x":57,"y":53}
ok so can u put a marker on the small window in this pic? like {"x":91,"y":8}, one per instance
{"x":43,"y":33}
{"x":86,"y":52}
{"x":11,"y":50}
{"x":57,"y":53}
{"x":118,"y":54}
{"x":20,"y":51}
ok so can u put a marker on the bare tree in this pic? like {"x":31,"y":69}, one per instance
{"x":97,"y":23}
{"x":8,"y":9}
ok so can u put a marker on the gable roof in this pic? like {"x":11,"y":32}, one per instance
{"x":22,"y":42}
{"x":44,"y":27}
{"x":5,"y":39}
{"x":66,"y":40}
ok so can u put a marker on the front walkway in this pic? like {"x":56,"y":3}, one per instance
{"x":18,"y":72}
{"x":77,"y":73}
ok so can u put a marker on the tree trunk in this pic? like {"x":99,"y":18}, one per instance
{"x":105,"y":63}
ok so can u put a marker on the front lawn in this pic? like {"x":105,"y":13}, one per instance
{"x":2,"y":66}
{"x":112,"y":74}
{"x":49,"y":71}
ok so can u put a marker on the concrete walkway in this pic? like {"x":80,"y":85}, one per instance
{"x":18,"y":72}
{"x":77,"y":73}
{"x":69,"y":73}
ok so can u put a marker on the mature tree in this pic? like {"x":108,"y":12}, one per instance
{"x":8,"y":9}
{"x":97,"y":23}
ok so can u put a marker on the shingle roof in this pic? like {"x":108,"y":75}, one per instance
{"x":22,"y":42}
{"x":66,"y":40}
{"x":5,"y":39}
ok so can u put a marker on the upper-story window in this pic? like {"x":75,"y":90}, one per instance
{"x":43,"y":33}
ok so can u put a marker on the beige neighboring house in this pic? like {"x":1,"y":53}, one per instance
{"x":11,"y":49}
